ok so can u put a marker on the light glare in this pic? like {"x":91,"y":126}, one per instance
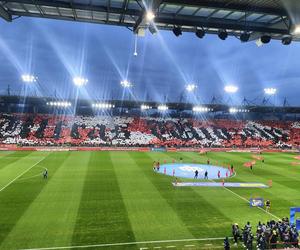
{"x":126,"y":84}
{"x":79,"y":81}
{"x":235,"y":110}
{"x":190,"y":87}
{"x":270,"y":91}
{"x":62,"y":104}
{"x":145,"y":107}
{"x":150,"y":15}
{"x":103,"y":105}
{"x":199,"y":109}
{"x":231,"y":89}
{"x":297,"y":30}
{"x":28,"y":78}
{"x":162,"y":107}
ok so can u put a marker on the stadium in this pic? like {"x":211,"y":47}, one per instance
{"x":149,"y":124}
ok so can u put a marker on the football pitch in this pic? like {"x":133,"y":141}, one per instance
{"x":114,"y":200}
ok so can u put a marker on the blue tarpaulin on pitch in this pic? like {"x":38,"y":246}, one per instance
{"x":220,"y":184}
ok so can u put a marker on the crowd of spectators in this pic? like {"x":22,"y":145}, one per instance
{"x":47,"y":130}
{"x":271,"y":235}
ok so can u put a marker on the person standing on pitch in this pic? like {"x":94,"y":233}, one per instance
{"x":45,"y":173}
{"x":226,"y":244}
{"x":219,"y":174}
{"x":268,"y":205}
{"x":206,"y":175}
{"x":196,"y":174}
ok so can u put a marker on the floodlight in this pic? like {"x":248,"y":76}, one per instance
{"x":286,"y":40}
{"x":265,"y":39}
{"x":150,"y":15}
{"x":236,"y":110}
{"x":103,"y":105}
{"x":126,"y":84}
{"x":177,"y":31}
{"x":62,"y":104}
{"x":152,"y":29}
{"x":145,"y":107}
{"x":244,"y":37}
{"x":222,"y":34}
{"x":199,"y":109}
{"x":233,"y":110}
{"x":79,"y":81}
{"x":162,"y":107}
{"x":270,"y":91}
{"x":200,"y":33}
{"x":28,"y":78}
{"x":296,"y":30}
{"x":231,"y":89}
{"x":190,"y":87}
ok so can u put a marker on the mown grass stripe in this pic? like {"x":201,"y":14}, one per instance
{"x":18,"y":197}
{"x":12,"y":157}
{"x":102,"y":216}
{"x":51,"y":216}
{"x":151,"y":217}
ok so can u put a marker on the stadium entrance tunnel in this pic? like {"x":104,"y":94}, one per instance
{"x":187,"y":170}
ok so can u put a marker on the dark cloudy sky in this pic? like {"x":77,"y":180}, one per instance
{"x":56,"y":51}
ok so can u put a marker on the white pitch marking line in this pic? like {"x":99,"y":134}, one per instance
{"x":273,"y":215}
{"x":12,"y":181}
{"x":124,"y":244}
{"x":156,"y":247}
{"x":248,"y":202}
{"x":170,"y":246}
{"x":189,"y":245}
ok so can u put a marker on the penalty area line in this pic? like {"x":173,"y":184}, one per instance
{"x":124,"y":244}
{"x":24,"y":172}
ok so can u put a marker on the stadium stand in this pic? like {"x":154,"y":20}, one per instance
{"x":56,"y":130}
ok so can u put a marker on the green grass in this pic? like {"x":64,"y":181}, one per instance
{"x":115,"y":197}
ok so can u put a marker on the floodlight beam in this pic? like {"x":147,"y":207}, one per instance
{"x":80,"y":81}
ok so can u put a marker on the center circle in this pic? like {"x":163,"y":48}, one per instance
{"x":187,"y":170}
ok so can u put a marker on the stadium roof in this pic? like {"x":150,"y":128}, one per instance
{"x":235,"y":16}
